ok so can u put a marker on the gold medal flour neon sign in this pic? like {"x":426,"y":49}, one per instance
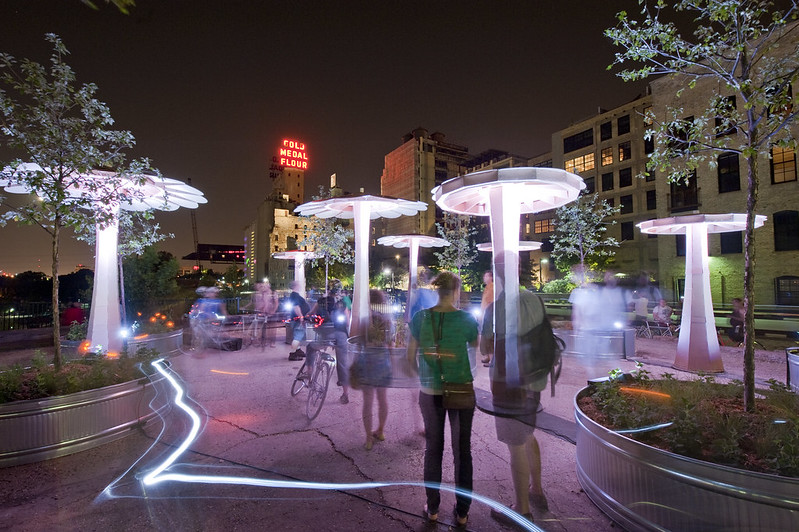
{"x":293,"y":155}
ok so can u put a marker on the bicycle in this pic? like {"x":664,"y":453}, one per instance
{"x":250,"y":330}
{"x":315,"y":378}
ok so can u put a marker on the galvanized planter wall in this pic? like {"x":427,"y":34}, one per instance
{"x":167,"y":344}
{"x":792,"y":361}
{"x":31,"y":431}
{"x":644,"y":488}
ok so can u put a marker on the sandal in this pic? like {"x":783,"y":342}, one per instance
{"x":430,"y":517}
{"x":460,"y":522}
{"x":379,"y":436}
{"x":485,"y":360}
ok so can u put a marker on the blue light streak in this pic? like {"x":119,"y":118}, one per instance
{"x":160,"y":474}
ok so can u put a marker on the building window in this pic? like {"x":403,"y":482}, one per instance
{"x":611,"y":202}
{"x":680,"y":245}
{"x":787,"y":290}
{"x":606,"y":131}
{"x":623,"y":125}
{"x":546,"y":225}
{"x":685,"y":194}
{"x":625,"y":177}
{"x":590,"y":185}
{"x":723,"y":121}
{"x":625,"y":151}
{"x":731,"y":242}
{"x":649,"y":139}
{"x":626,"y":204}
{"x":578,"y":140}
{"x":786,"y":230}
{"x":527,"y":228}
{"x":783,"y":165}
{"x":607,"y":156}
{"x":607,"y":181}
{"x":651,"y":200}
{"x":579,"y":164}
{"x":678,"y":134}
{"x":627,"y":231}
{"x":729,"y":174}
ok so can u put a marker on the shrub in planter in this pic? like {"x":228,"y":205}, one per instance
{"x":701,"y":419}
{"x":42,"y":380}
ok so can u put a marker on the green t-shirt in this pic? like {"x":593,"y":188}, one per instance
{"x":458,"y":329}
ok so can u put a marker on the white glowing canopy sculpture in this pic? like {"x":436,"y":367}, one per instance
{"x":362,"y":209}
{"x":504,"y":195}
{"x":299,"y":257}
{"x":698,"y":345}
{"x":137,"y":193}
{"x":413,"y":243}
{"x":524,"y":245}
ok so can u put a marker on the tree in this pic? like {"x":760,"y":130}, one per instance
{"x":65,"y":135}
{"x":149,"y":276}
{"x":579,"y":236}
{"x":749,"y":51}
{"x":328,"y":238}
{"x":459,"y":232}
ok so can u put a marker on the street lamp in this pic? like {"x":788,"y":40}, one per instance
{"x":388,"y":271}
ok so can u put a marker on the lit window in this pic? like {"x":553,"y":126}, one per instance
{"x":607,"y":156}
{"x":527,"y":228}
{"x":783,"y":165}
{"x":544,"y":226}
{"x":580,"y":164}
{"x":625,"y":151}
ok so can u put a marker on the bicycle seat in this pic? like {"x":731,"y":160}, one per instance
{"x":327,"y":357}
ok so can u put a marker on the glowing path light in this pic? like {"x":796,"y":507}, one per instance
{"x":299,"y":257}
{"x":362,"y":209}
{"x":698,"y":344}
{"x":413,"y":243}
{"x":161,"y":474}
{"x":136,"y":193}
{"x":504,"y":195}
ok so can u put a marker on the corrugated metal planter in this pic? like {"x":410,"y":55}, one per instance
{"x":644,"y":488}
{"x":792,"y":360}
{"x":31,"y":431}
{"x":167,"y":344}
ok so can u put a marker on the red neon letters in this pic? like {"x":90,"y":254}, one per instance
{"x":292,"y":155}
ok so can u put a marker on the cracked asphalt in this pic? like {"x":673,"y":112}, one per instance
{"x":251,"y":428}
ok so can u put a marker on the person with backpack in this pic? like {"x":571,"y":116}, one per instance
{"x":518,"y":432}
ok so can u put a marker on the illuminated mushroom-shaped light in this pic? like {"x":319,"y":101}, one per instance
{"x":524,"y":245}
{"x":134,"y":193}
{"x":698,"y":345}
{"x":299,"y":257}
{"x":504,"y":195}
{"x":413,"y":243}
{"x":362,"y":209}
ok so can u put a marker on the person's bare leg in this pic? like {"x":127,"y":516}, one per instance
{"x":520,"y":474}
{"x":368,"y":399}
{"x":382,"y":413}
{"x":536,"y":488}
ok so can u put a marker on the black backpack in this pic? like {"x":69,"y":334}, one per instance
{"x":541,"y":350}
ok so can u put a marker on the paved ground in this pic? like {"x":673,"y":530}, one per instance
{"x":252,"y":428}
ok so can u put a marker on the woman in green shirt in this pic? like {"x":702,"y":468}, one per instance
{"x":444,"y":333}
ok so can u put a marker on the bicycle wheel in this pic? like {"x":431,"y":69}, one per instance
{"x":244,"y":331}
{"x":298,"y":383}
{"x":317,"y":391}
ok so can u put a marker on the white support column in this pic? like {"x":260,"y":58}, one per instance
{"x":698,"y":345}
{"x":299,"y":274}
{"x":105,"y":323}
{"x":413,"y":260}
{"x":360,"y":296}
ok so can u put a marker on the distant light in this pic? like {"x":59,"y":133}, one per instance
{"x":287,"y":305}
{"x":618,"y":324}
{"x":779,"y":421}
{"x":387,"y":271}
{"x":124,"y":333}
{"x":340,"y":318}
{"x":477,"y":312}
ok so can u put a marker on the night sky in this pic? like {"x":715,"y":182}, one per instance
{"x":209,"y":89}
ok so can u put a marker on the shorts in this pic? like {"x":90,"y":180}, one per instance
{"x":298,"y":332}
{"x":517,"y":430}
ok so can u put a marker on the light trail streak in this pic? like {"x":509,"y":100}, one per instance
{"x":159,"y":475}
{"x":228,"y":372}
{"x":659,"y":395}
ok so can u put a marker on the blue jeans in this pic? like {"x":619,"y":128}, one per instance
{"x":460,"y":423}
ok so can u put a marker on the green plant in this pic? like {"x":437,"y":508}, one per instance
{"x":701,"y":419}
{"x":77,"y":331}
{"x":42,"y":380}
